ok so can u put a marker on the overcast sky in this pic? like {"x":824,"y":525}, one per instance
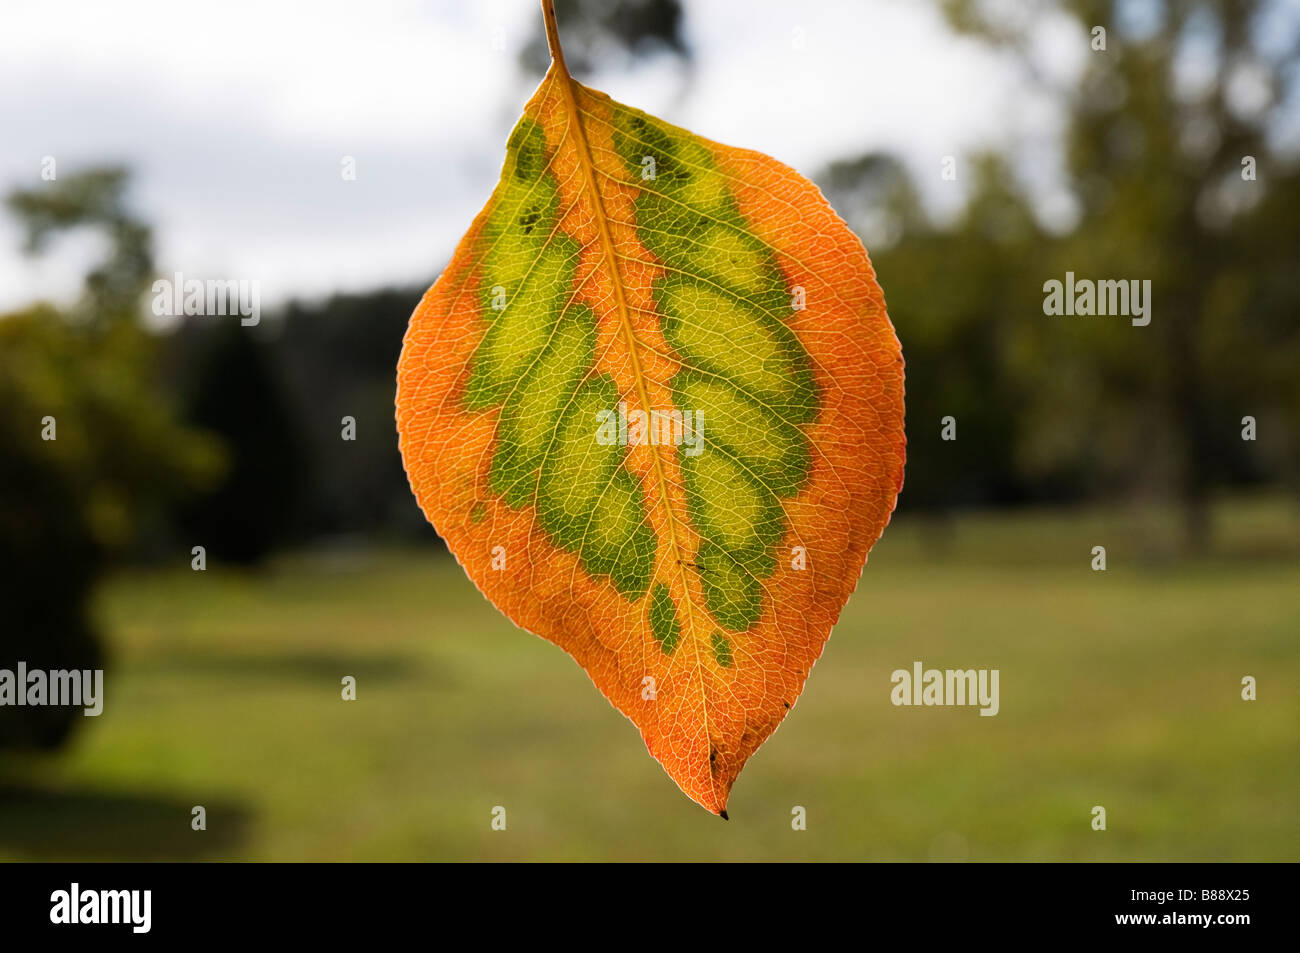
{"x":236,"y":117}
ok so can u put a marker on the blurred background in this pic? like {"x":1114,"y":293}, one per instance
{"x":979,"y":148}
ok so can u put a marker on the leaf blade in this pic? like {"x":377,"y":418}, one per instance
{"x":647,"y":561}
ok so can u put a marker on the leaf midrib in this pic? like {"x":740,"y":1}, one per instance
{"x":559,"y":74}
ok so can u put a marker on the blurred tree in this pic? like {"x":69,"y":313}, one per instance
{"x":949,"y":291}
{"x":1161,"y":131}
{"x":337,"y":358}
{"x":233,"y":390}
{"x":89,"y":454}
{"x":96,"y":199}
{"x":299,"y":471}
{"x":600,"y":32}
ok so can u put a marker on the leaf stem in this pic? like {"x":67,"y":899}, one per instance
{"x":553,"y":36}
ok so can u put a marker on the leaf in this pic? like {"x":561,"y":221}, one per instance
{"x":624,"y":266}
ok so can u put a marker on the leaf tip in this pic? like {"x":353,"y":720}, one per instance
{"x":723,"y":814}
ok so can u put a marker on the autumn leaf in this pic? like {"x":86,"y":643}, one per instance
{"x":654,"y":405}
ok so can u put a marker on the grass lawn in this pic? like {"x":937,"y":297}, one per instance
{"x":1119,"y":689}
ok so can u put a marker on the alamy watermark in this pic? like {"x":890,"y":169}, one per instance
{"x":1083,"y":296}
{"x":132,"y":908}
{"x":932,"y":686}
{"x":635,"y":428}
{"x":174,"y":297}
{"x":58,"y":687}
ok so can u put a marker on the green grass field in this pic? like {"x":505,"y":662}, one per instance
{"x":1119,"y":689}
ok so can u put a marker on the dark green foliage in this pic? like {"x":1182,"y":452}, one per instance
{"x":235,"y":395}
{"x":69,"y":504}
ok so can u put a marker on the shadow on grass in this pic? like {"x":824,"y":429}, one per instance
{"x":304,"y":666}
{"x":88,"y":824}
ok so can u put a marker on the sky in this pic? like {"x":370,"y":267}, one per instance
{"x":236,"y":118}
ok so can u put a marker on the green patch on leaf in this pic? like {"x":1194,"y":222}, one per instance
{"x":722,"y":649}
{"x":663,"y":619}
